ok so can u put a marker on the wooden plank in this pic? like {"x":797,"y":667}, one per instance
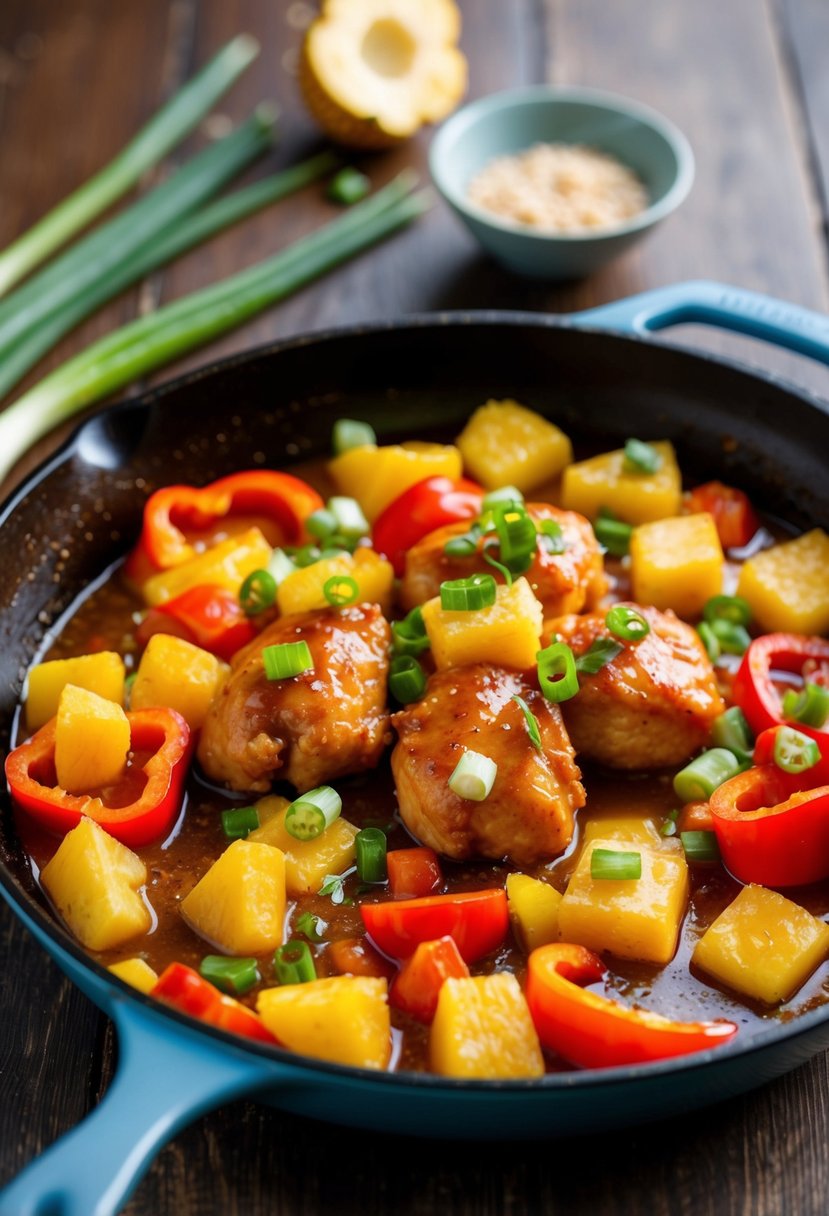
{"x":804,"y":29}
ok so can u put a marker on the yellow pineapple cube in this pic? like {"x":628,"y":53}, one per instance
{"x":344,"y":1019}
{"x":677,"y":563}
{"x":505,"y":444}
{"x":176,"y":674}
{"x":630,"y":829}
{"x":763,"y":945}
{"x":788,"y":586}
{"x":306,"y":861}
{"x":507,"y":633}
{"x":483,"y":1029}
{"x":92,"y":741}
{"x":226,"y":564}
{"x":636,"y":918}
{"x":533,"y":909}
{"x":302,"y":590}
{"x":239,"y":904}
{"x":137,"y":972}
{"x":102,"y":673}
{"x":93,"y":880}
{"x":375,"y":476}
{"x":636,"y":498}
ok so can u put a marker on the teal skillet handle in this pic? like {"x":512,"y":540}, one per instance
{"x":745,"y":312}
{"x":166,"y":1077}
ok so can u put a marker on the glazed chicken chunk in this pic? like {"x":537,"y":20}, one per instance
{"x":651,"y":706}
{"x":528,"y":815}
{"x":564,"y":582}
{"x":311,"y":728}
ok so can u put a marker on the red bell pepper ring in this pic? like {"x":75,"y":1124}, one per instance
{"x":416,"y":988}
{"x":734,"y":517}
{"x":284,"y":502}
{"x":209,"y":616}
{"x":184,"y":989}
{"x":425,"y":506}
{"x":770,"y":831}
{"x":138,"y":810}
{"x":477,"y":920}
{"x":413,"y":873}
{"x":594,"y":1032}
{"x":753,"y":689}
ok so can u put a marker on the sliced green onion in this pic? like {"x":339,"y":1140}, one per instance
{"x":409,"y":635}
{"x":557,"y":677}
{"x":348,"y":186}
{"x":732,"y":731}
{"x":337,"y":541}
{"x":810,"y":706}
{"x":286,"y":660}
{"x":706,"y":773}
{"x":407,"y":680}
{"x":709,"y":641}
{"x":258,"y":592}
{"x":669,"y":827}
{"x":613,"y":535}
{"x":309,"y":815}
{"x":467,"y":594}
{"x":732,"y":639}
{"x":497,"y":498}
{"x":731,"y":608}
{"x":233,"y":975}
{"x":294,"y":964}
{"x":641,"y":457}
{"x":532,"y":722}
{"x":473,"y":776}
{"x":461,"y":546}
{"x":489,"y":548}
{"x":598,"y":655}
{"x":517,"y":534}
{"x":627,"y":623}
{"x":280,"y":566}
{"x":240,"y":822}
{"x":700,"y":846}
{"x":321,"y":523}
{"x":351,"y":521}
{"x":370,"y":844}
{"x":310,"y":926}
{"x":348,"y":434}
{"x":340,"y":590}
{"x":615,"y":864}
{"x":306,"y":555}
{"x":551,"y":536}
{"x":794,"y":752}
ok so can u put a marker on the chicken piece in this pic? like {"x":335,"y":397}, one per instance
{"x":311,"y":728}
{"x":528,"y":815}
{"x":650,"y":707}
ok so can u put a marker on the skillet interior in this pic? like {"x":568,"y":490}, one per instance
{"x":277,"y":405}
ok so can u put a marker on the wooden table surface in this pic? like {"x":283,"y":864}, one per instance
{"x":748,"y":82}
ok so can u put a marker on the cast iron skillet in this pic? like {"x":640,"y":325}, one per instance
{"x":80,"y":512}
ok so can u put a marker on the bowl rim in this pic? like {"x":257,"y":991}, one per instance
{"x":545,"y":95}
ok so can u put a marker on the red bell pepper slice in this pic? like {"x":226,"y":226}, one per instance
{"x":425,"y":506}
{"x":209,"y":616}
{"x":417,"y":986}
{"x":141,"y":808}
{"x":280,"y":499}
{"x":413,"y":873}
{"x":477,"y":920}
{"x":753,"y":689}
{"x":595,"y":1032}
{"x":187,"y":991}
{"x":735,"y":519}
{"x":770,"y":831}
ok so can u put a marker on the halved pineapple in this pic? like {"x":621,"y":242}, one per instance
{"x":373,"y":71}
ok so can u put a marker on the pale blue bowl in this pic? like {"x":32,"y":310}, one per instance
{"x":509,"y":122}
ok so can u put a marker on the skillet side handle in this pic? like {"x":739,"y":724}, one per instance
{"x":165,"y":1079}
{"x":707,"y":303}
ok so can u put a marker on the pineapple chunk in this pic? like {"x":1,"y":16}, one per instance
{"x":102,"y":673}
{"x":376,"y":476}
{"x":633,"y":918}
{"x":226,"y":565}
{"x":344,"y":1019}
{"x":306,"y":861}
{"x":507,"y":633}
{"x":763,"y":945}
{"x":239,"y":904}
{"x":137,"y":972}
{"x":302,"y":590}
{"x":788,"y":586}
{"x":505,"y":444}
{"x":93,"y":880}
{"x":533,"y":909}
{"x":92,"y":741}
{"x":631,"y":830}
{"x":677,"y":563}
{"x":176,"y":674}
{"x":637,"y":498}
{"x":483,"y":1028}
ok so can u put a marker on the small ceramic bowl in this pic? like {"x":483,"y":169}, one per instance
{"x":506,"y":123}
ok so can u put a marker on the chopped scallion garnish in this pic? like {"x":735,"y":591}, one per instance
{"x":613,"y":535}
{"x":409,"y":635}
{"x":280,"y":566}
{"x":348,"y":434}
{"x":709,"y":641}
{"x":286,"y":660}
{"x":551,"y":536}
{"x":626,"y":623}
{"x":310,"y":814}
{"x":240,"y":822}
{"x":598,"y":655}
{"x":641,"y":457}
{"x":615,"y":864}
{"x":351,"y":522}
{"x":488,"y":551}
{"x":407,"y":680}
{"x":810,"y":706}
{"x":793,"y":751}
{"x":497,"y":498}
{"x":706,"y":773}
{"x":370,"y":844}
{"x":310,"y":926}
{"x":700,"y":846}
{"x":321,"y":523}
{"x":294,"y":964}
{"x":340,"y":590}
{"x":731,"y":608}
{"x":235,"y":976}
{"x":258,"y":592}
{"x":669,"y":827}
{"x":557,"y":677}
{"x":517,"y":534}
{"x":473,"y":777}
{"x":732,"y":731}
{"x":468,"y":594}
{"x":731,"y":638}
{"x":530,"y":719}
{"x":348,"y":186}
